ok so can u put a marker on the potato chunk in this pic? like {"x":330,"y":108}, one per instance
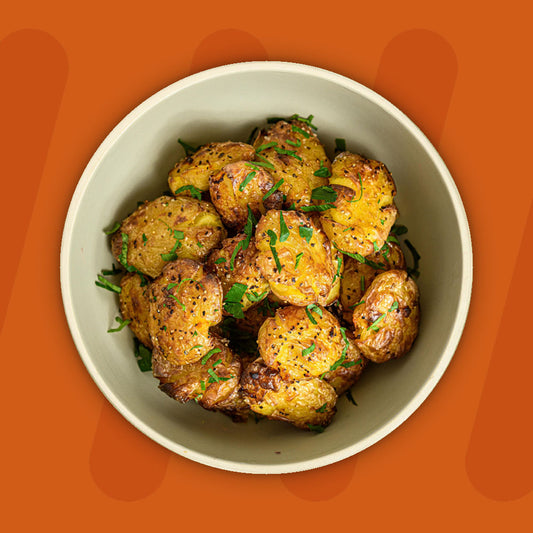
{"x":386,"y":324}
{"x":305,"y":403}
{"x":239,"y":268}
{"x":363,"y":211}
{"x":166,"y":229}
{"x":297,"y":155}
{"x":239,"y":186}
{"x":196,"y":169}
{"x":347,"y":372}
{"x":135,"y":306}
{"x":212,"y":382}
{"x":358,"y":276}
{"x":296,"y":258}
{"x":184,"y":303}
{"x":300,"y":342}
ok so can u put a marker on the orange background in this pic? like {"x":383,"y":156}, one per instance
{"x":71,"y":71}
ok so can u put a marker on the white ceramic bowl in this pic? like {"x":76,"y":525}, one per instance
{"x":226,"y":103}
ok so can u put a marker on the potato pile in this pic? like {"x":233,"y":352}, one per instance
{"x":268,"y":278}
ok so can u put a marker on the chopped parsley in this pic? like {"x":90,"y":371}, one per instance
{"x":232,"y":300}
{"x":254,"y":297}
{"x":316,"y":309}
{"x":360,"y":189}
{"x":305,"y":233}
{"x":322,"y":408}
{"x":122,"y":324}
{"x":211,"y":352}
{"x":296,"y":129}
{"x":273,"y":189}
{"x":195,"y":192}
{"x":220,"y":260}
{"x":316,"y":429}
{"x":283,"y":229}
{"x":291,"y":153}
{"x":114,"y":229}
{"x":297,"y":262}
{"x":325,"y":193}
{"x":189,"y":149}
{"x":307,"y":351}
{"x":323,"y":171}
{"x":307,"y":120}
{"x":322,"y":207}
{"x":105,"y":284}
{"x":143,"y":356}
{"x":265,"y":146}
{"x":273,"y":239}
{"x":340,"y":145}
{"x":249,"y":177}
{"x":172,"y":255}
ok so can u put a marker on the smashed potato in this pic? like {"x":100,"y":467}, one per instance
{"x":300,"y":342}
{"x":239,"y":187}
{"x":358,"y":276}
{"x":297,"y":157}
{"x":296,"y":258}
{"x":239,"y":266}
{"x":213,"y":382}
{"x":363,"y":211}
{"x":386,"y":324}
{"x":184,"y":303}
{"x":196,"y":169}
{"x":135,"y":306}
{"x":305,"y":403}
{"x":166,"y":229}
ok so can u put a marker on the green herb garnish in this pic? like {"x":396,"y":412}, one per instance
{"x":398,"y":229}
{"x":283,"y":229}
{"x":291,"y":153}
{"x":322,"y":207}
{"x":325,"y":192}
{"x":305,"y":233}
{"x":297,"y":262}
{"x":265,"y":146}
{"x":254,"y":297}
{"x":114,"y":270}
{"x":122,"y":324}
{"x":249,"y":177}
{"x":172,"y":255}
{"x":189,"y":149}
{"x":143,"y":356}
{"x":273,"y":239}
{"x":307,"y":351}
{"x":360,"y":189}
{"x":300,"y":130}
{"x":211,"y":352}
{"x":105,"y":284}
{"x":340,"y":145}
{"x":316,"y":309}
{"x":273,"y":189}
{"x":322,"y":172}
{"x":350,"y":397}
{"x":322,"y":408}
{"x":316,"y":429}
{"x":232,"y":300}
{"x":307,"y":120}
{"x":220,"y":260}
{"x":195,"y":192}
{"x":416,"y":259}
{"x":114,"y":229}
{"x":296,"y":144}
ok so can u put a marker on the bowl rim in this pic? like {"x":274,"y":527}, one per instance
{"x":461,"y":312}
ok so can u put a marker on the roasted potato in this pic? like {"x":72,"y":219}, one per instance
{"x":135,"y":306}
{"x":297,"y":155}
{"x":184,"y":303}
{"x":296,"y":258}
{"x":305,"y":403}
{"x":211,"y":382}
{"x":239,"y":186}
{"x":386,"y":324}
{"x":347,"y":371}
{"x":166,"y":229}
{"x":358,"y":276}
{"x":363,"y":211}
{"x":196,"y":169}
{"x":239,"y":268}
{"x":301,"y":342}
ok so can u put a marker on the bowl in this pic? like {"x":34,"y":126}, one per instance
{"x":225,"y":103}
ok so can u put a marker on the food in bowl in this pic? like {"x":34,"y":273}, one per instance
{"x":261,"y":233}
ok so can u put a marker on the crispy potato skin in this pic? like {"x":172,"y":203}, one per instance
{"x":196,"y":381}
{"x":232,"y":203}
{"x":196,"y":169}
{"x":150,"y":231}
{"x":283,"y":339}
{"x":303,"y":403}
{"x":312,"y":281}
{"x":347,"y":374}
{"x":184,"y":303}
{"x":297,"y":172}
{"x":360,"y":218}
{"x":245,"y":269}
{"x":398,"y":328}
{"x":358,"y":276}
{"x":135,"y":306}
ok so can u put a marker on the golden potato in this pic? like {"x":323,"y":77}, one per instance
{"x":347,"y":370}
{"x":184,"y":303}
{"x":213,"y":382}
{"x":386,"y":324}
{"x":241,"y":267}
{"x":166,"y":229}
{"x":135,"y":306}
{"x":363,"y":211}
{"x":301,"y":342}
{"x":297,"y":155}
{"x":358,"y":276}
{"x":196,"y":169}
{"x":305,"y":403}
{"x":239,"y":186}
{"x":296,"y":258}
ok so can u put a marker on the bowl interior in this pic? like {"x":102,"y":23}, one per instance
{"x":226,"y":103}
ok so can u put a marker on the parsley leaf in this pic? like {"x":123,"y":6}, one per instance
{"x":273,"y":189}
{"x":310,"y":349}
{"x":283,"y":229}
{"x":305,"y":233}
{"x":195,"y":192}
{"x":122,"y":324}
